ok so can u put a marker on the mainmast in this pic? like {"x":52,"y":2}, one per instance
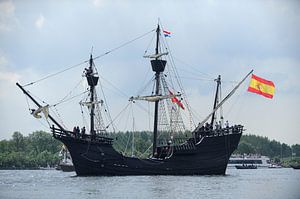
{"x":92,"y":81}
{"x":158,"y":66}
{"x":218,"y":80}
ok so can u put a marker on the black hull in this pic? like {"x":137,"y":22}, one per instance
{"x":209,"y":156}
{"x":295,"y":166}
{"x":67,"y":167}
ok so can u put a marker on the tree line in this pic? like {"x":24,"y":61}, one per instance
{"x":253,"y":144}
{"x":40,"y":149}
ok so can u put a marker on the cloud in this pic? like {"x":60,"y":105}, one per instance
{"x":7,"y":76}
{"x":14,"y":115}
{"x":98,"y":3}
{"x":3,"y":61}
{"x":39,"y":23}
{"x":7,"y":16}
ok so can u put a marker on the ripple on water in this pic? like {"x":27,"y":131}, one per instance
{"x":259,"y":183}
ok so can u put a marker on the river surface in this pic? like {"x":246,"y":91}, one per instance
{"x":258,"y":183}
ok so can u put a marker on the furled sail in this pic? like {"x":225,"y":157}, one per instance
{"x":88,"y":104}
{"x":154,"y":98}
{"x":42,"y":109}
{"x":155,"y":56}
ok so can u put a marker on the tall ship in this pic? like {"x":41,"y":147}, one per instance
{"x":204,"y":150}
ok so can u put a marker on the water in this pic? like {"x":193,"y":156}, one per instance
{"x":259,"y":183}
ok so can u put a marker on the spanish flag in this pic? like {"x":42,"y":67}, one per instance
{"x":261,"y":86}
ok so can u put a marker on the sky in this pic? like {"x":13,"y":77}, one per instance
{"x":38,"y":38}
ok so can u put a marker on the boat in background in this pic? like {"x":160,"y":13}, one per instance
{"x":274,"y":166}
{"x":244,"y":166}
{"x":295,"y":166}
{"x":65,"y":163}
{"x":240,"y":160}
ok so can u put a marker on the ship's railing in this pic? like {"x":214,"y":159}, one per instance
{"x":236,"y":129}
{"x":209,"y":132}
{"x":58,"y":133}
{"x":221,"y":131}
{"x":189,"y":143}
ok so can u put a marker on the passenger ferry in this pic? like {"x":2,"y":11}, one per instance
{"x":258,"y":160}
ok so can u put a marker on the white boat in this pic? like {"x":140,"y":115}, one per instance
{"x":275,"y":166}
{"x":258,"y":160}
{"x":66,"y":163}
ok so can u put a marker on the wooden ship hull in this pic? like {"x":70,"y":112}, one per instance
{"x":208,"y":157}
{"x":296,"y":166}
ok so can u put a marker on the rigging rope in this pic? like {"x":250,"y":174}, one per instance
{"x":86,"y":61}
{"x":105,"y":101}
{"x":63,"y":101}
{"x":84,"y":122}
{"x":36,"y":97}
{"x":124,"y":109}
{"x":149,"y":44}
{"x":192,"y":122}
{"x":27,"y":103}
{"x":193,"y":78}
{"x":124,"y":44}
{"x":194,"y":69}
{"x":236,"y":101}
{"x":56,"y":113}
{"x":54,"y":74}
{"x":44,"y":124}
{"x":122,"y":93}
{"x":69,"y":94}
{"x":146,"y":86}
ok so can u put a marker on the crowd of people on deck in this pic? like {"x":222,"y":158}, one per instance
{"x":79,"y":133}
{"x":207,"y":128}
{"x":218,"y":126}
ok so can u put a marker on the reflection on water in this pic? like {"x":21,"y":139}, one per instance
{"x":259,"y":183}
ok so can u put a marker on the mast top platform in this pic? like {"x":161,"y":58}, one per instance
{"x":90,"y":75}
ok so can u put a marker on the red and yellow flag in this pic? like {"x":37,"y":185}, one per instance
{"x":261,"y":86}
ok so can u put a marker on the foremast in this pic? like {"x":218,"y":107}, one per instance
{"x":92,"y":80}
